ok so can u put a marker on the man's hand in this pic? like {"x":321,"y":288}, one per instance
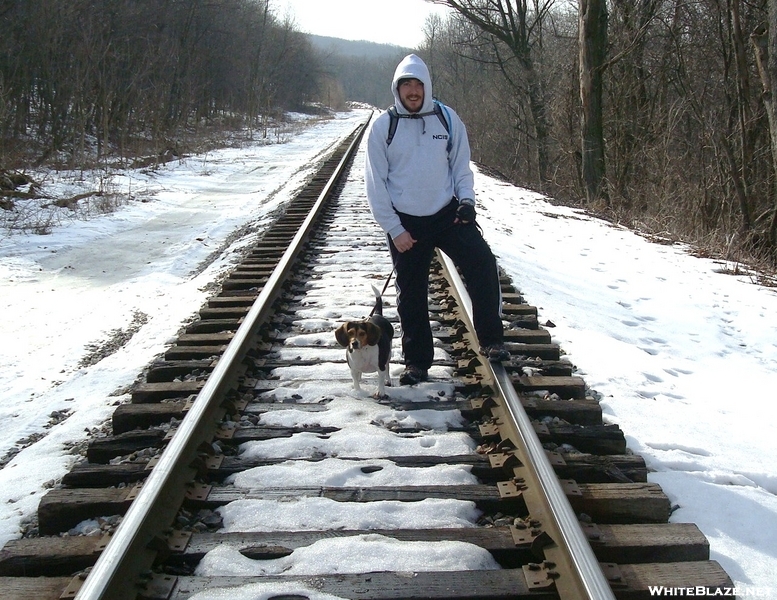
{"x":404,"y":241}
{"x":465,"y":214}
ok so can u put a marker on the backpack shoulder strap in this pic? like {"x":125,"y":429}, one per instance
{"x":439,"y":109}
{"x":445,"y":118}
{"x":393,"y":120}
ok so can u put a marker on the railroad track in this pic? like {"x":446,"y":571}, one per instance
{"x":508,"y":467}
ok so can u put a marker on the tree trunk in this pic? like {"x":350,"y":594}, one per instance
{"x":741,"y":174}
{"x":540,"y":119}
{"x":519,"y":27}
{"x":765,"y":44}
{"x":772,"y":109}
{"x":593,"y":48}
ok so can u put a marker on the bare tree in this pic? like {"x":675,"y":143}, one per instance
{"x":674,"y":135}
{"x":764,"y":40}
{"x":89,"y":78}
{"x":593,"y":51}
{"x":518,"y":24}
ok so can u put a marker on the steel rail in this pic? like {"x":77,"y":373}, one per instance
{"x":571,"y":552}
{"x":130,"y":553}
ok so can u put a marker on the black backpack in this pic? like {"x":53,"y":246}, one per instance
{"x":439,"y":109}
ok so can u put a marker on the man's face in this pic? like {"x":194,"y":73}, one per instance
{"x":411,"y":93}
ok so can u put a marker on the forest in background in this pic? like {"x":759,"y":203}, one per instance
{"x":685,"y":152}
{"x":357,"y":70}
{"x":81,"y":79}
{"x":652,"y":113}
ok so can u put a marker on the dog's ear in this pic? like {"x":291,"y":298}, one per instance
{"x":373,"y":333}
{"x":341,"y":335}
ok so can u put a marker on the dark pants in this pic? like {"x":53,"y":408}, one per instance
{"x":465,"y":245}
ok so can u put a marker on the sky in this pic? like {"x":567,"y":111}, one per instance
{"x":398,"y":22}
{"x":682,"y":356}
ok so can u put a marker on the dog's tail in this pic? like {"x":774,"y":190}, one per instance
{"x":378,"y":308}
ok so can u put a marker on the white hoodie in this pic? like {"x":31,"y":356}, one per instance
{"x":415,"y":174}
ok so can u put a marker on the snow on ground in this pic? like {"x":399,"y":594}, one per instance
{"x":365,"y":553}
{"x":683,"y":357}
{"x":145,"y":271}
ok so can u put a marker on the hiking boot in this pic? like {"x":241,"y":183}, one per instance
{"x":495,"y":352}
{"x":412,"y":375}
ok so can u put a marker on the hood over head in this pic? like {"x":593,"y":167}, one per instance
{"x":413,"y":67}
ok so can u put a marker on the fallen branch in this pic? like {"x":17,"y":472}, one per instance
{"x":71,"y":203}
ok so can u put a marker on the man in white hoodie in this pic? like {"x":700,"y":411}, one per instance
{"x":420,"y":188}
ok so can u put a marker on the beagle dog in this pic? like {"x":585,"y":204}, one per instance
{"x":368,"y":346}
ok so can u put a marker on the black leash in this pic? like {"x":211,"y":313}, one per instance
{"x":385,"y":287}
